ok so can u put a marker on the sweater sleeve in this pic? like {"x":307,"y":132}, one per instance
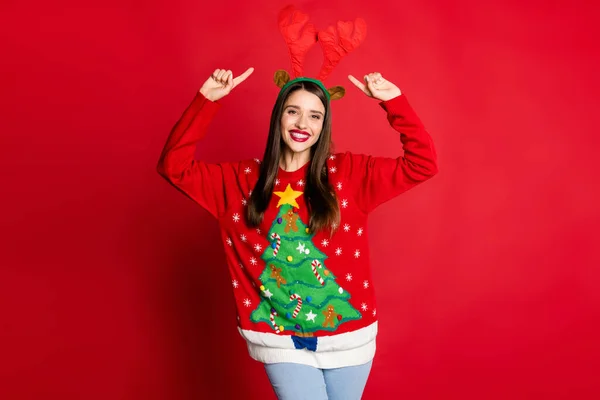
{"x":202,"y":182}
{"x":376,"y":180}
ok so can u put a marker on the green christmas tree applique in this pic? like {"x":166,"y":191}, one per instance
{"x":299,"y":293}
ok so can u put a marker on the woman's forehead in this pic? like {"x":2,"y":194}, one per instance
{"x":304,"y":99}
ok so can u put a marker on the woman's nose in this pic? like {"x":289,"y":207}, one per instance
{"x":301,"y":122}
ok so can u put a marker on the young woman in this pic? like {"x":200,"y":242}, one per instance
{"x":294,"y":228}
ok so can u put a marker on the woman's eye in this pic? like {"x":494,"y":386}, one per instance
{"x":317,"y":117}
{"x":291,"y":111}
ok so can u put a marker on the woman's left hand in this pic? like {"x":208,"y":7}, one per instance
{"x":377,"y":86}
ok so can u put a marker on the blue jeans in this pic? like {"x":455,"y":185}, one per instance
{"x":299,"y":382}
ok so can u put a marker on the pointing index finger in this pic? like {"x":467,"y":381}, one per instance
{"x":357,"y":83}
{"x":239,"y":79}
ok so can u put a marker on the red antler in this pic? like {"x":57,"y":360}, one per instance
{"x":299,"y":36}
{"x":338,"y":42}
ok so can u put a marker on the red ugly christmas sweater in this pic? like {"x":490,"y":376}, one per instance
{"x":301,"y":297}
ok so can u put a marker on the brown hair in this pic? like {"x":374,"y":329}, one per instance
{"x":319,"y":195}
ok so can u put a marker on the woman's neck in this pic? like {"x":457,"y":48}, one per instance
{"x":291,"y":161}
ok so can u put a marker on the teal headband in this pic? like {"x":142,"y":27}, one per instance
{"x":305,"y":79}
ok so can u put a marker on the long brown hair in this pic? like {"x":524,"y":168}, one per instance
{"x":319,"y":195}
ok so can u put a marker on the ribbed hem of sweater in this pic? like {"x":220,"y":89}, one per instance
{"x":350,"y":349}
{"x":323,"y":360}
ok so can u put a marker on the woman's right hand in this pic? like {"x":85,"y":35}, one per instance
{"x":221,"y":83}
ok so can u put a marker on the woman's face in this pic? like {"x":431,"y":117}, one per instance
{"x":302,"y":121}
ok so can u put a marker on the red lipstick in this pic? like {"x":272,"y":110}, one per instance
{"x":299,"y":136}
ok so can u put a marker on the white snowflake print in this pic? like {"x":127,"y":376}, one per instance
{"x":243,"y":237}
{"x":366,"y":284}
{"x":300,"y":183}
{"x":244,"y":202}
{"x":333,"y":170}
{"x":235,"y":284}
{"x":236,"y":217}
{"x":258,"y":230}
{"x":332,"y":157}
{"x":247,"y":302}
{"x":334,"y":226}
{"x":250,"y":193}
{"x":253,"y":261}
{"x":277,"y":181}
{"x":301,"y":247}
{"x":257,"y":160}
{"x":241,"y":266}
{"x":359,"y":232}
{"x":338,"y":251}
{"x":325,"y":243}
{"x":257,"y":248}
{"x":364,"y":307}
{"x":349,"y":277}
{"x":247,"y":170}
{"x":346,"y":228}
{"x":339,"y":186}
{"x":356,"y":253}
{"x":344,"y":203}
{"x":229,"y":241}
{"x":374,"y":312}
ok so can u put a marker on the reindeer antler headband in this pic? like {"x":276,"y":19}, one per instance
{"x":300,"y":36}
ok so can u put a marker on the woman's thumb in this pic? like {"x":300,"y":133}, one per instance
{"x":369,"y":84}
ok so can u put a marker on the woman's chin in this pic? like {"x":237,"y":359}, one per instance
{"x":297,"y":148}
{"x":298,"y":151}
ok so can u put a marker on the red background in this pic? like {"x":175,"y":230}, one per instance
{"x":113,"y":285}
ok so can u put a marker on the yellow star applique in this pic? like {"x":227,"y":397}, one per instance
{"x":288,"y":197}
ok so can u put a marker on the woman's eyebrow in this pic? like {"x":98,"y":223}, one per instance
{"x":298,"y":108}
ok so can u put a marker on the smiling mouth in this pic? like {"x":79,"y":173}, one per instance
{"x":299,"y":136}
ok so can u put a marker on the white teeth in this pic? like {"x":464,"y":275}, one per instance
{"x":299,"y":135}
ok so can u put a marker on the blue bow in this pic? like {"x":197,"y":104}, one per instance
{"x":309,"y":343}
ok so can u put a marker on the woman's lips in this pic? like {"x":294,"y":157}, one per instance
{"x":299,"y":136}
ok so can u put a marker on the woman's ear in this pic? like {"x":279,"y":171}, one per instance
{"x":336,"y":92}
{"x":281,"y":78}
